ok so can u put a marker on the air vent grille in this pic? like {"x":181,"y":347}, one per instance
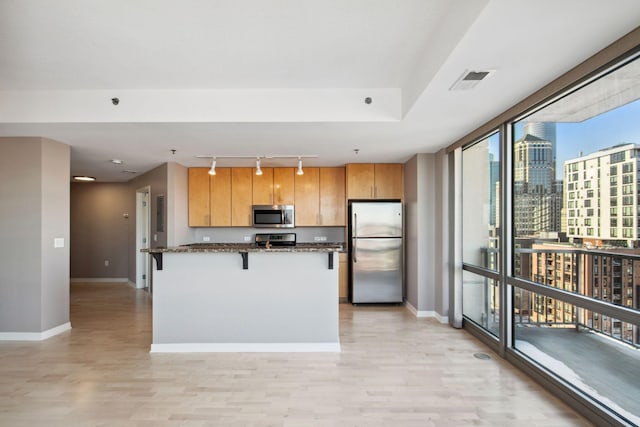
{"x":470,"y":78}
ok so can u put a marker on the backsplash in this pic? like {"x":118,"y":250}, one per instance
{"x":238,"y":234}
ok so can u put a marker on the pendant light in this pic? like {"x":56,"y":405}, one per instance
{"x":212,"y":171}
{"x":300,"y":171}
{"x":258,"y":170}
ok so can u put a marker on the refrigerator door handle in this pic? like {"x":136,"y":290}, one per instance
{"x":355,"y":237}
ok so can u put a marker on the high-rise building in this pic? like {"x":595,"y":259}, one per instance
{"x":602,"y":195}
{"x":494,"y":177}
{"x":537,"y":196}
{"x":545,"y":131}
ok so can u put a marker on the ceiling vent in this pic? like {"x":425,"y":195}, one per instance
{"x":469,"y":79}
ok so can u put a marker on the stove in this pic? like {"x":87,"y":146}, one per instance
{"x":275,"y":239}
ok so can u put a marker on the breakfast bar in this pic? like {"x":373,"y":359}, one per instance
{"x":245,"y":298}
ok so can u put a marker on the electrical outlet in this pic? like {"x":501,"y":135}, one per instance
{"x":155,"y":237}
{"x":320,"y":238}
{"x":206,"y":239}
{"x":106,"y":263}
{"x":247,"y":238}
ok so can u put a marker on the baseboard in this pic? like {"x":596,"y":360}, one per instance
{"x":426,"y":313}
{"x":34,"y":336}
{"x":99,"y":279}
{"x":246,"y":348}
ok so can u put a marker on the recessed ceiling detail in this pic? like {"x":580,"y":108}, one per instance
{"x":247,"y":76}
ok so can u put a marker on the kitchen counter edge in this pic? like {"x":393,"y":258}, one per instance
{"x":239,"y":247}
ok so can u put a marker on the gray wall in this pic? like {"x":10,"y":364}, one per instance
{"x":34,"y":209}
{"x":441,"y":221}
{"x":178,"y":232}
{"x":99,"y":230}
{"x":157,"y":180}
{"x":420,"y":231}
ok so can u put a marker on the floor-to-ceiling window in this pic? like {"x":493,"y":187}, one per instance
{"x":481,"y":224}
{"x":573,"y":215}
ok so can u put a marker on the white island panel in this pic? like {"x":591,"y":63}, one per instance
{"x":284,"y":301}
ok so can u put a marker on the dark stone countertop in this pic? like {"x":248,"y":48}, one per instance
{"x":247,"y":247}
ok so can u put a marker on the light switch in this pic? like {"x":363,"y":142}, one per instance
{"x":58,"y":242}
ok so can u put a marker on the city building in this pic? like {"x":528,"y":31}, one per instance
{"x":547,"y":132}
{"x":602,"y":196}
{"x":537,"y":195}
{"x":610,"y":274}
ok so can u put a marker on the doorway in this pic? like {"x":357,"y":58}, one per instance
{"x":143,"y":231}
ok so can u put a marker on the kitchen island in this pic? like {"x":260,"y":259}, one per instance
{"x":244,"y":298}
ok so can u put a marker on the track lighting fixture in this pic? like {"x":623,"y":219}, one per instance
{"x":299,"y":171}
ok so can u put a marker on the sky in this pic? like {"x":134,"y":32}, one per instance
{"x":618,"y":126}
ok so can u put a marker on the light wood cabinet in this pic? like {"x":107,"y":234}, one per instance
{"x":332,"y":197}
{"x":199,"y":203}
{"x":343,"y":277}
{"x":241,"y":197}
{"x":307,"y":193}
{"x":226,"y":199}
{"x":263,"y":187}
{"x":388,"y":181}
{"x":220,"y":197}
{"x":375,"y":181}
{"x":319,"y":197}
{"x":284,"y":186}
{"x":360,"y":178}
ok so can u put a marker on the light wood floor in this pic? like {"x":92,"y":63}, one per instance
{"x":394,"y":370}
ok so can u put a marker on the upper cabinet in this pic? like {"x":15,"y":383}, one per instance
{"x":284,"y":186}
{"x":375,"y":181}
{"x":220,"y":196}
{"x":319,"y":197}
{"x":241,"y":197}
{"x":209,"y":197}
{"x":263,"y":187}
{"x":332,"y":200}
{"x":226,"y":198}
{"x":360,"y":180}
{"x":274,"y":187}
{"x":199,"y":203}
{"x":307,"y":197}
{"x":388,"y":181}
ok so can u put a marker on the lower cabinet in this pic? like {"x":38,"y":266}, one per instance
{"x":343,"y":277}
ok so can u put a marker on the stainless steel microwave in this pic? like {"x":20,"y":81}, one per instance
{"x":273,"y":216}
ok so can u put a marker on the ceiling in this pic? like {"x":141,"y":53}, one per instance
{"x":279,"y":77}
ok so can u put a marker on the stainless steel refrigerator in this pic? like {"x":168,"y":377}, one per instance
{"x":376,"y":252}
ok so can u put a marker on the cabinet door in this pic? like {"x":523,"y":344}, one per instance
{"x":389,"y":183}
{"x":307,"y":197}
{"x":360,"y":181}
{"x":343,"y":277}
{"x":199,"y":197}
{"x":284,"y":186}
{"x":263,"y":187}
{"x":241,"y":197}
{"x":220,"y":197}
{"x":332,"y":200}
